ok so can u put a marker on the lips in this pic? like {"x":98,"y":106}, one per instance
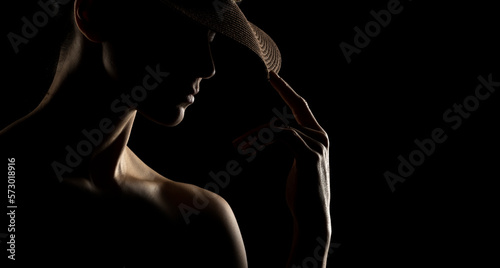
{"x":193,"y":90}
{"x":181,"y":91}
{"x":196,"y":86}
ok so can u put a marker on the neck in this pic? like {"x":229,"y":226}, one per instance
{"x":84,"y":135}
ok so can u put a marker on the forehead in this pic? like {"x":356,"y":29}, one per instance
{"x":153,"y":14}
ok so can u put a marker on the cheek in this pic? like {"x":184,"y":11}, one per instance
{"x":121,"y":64}
{"x":126,"y":60}
{"x":128,"y":50}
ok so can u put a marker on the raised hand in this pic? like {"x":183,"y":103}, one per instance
{"x":308,"y":184}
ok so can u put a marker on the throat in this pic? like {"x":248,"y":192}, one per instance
{"x":109,"y":164}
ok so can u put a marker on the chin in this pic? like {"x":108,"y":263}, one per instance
{"x":165,"y":118}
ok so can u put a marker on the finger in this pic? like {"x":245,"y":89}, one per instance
{"x":300,"y":144}
{"x":242,"y":140}
{"x":318,"y":135}
{"x":299,"y":106}
{"x":317,"y":140}
{"x":313,"y":139}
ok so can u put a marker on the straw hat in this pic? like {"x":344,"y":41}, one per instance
{"x":225,"y":17}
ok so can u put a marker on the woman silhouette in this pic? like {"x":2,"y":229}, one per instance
{"x":86,"y":192}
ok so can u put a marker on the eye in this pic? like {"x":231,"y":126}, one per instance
{"x":211,"y":36}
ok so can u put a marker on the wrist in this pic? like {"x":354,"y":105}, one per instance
{"x":319,"y":225}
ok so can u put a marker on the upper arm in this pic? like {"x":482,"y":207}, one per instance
{"x":211,"y":235}
{"x":210,"y":238}
{"x":217,"y":235}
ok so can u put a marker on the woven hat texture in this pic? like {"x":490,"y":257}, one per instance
{"x":225,"y":17}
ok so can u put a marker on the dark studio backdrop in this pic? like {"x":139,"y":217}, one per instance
{"x":395,"y":88}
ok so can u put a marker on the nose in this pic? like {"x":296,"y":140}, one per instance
{"x":208,"y":69}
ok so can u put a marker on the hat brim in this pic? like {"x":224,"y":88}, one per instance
{"x":225,"y":17}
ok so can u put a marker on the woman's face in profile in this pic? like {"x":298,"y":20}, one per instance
{"x":150,"y":34}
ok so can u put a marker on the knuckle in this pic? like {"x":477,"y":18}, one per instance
{"x":323,"y":138}
{"x":302,"y":101}
{"x":323,"y":149}
{"x":326,"y":139}
{"x":317,"y":156}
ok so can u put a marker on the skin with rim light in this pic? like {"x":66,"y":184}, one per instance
{"x":100,"y":49}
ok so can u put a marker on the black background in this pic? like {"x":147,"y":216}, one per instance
{"x":395,"y":91}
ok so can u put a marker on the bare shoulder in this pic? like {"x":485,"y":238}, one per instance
{"x":188,"y":205}
{"x":210,"y":230}
{"x":181,"y":202}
